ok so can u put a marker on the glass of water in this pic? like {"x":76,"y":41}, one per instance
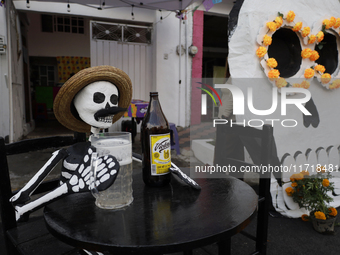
{"x":119,"y":145}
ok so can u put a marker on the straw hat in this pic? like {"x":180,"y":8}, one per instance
{"x":63,"y":102}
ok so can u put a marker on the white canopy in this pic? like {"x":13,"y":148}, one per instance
{"x":170,"y":5}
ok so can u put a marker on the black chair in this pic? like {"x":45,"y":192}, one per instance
{"x":31,"y":236}
{"x":260,"y":146}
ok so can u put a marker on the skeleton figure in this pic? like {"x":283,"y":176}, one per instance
{"x":95,"y":104}
{"x":313,"y":140}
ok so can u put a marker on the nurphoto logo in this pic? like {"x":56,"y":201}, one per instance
{"x":239,"y":104}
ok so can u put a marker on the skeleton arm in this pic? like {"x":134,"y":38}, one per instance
{"x":24,"y":194}
{"x":80,"y":181}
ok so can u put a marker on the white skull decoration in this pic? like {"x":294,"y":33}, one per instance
{"x":93,"y":98}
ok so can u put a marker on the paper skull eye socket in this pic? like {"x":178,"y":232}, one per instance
{"x":98,"y":97}
{"x":114,"y":99}
{"x":328,"y":53}
{"x":286,"y":49}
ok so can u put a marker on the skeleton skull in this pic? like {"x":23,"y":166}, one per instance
{"x":93,"y":98}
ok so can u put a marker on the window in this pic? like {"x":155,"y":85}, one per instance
{"x":43,"y":75}
{"x":121,"y":32}
{"x":62,"y":24}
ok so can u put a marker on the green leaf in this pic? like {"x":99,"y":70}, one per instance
{"x":280,"y":14}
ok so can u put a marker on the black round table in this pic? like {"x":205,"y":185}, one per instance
{"x":159,"y":220}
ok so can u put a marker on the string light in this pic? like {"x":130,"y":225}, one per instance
{"x":68,"y":6}
{"x":161,"y":14}
{"x":28,"y":4}
{"x":132,"y":14}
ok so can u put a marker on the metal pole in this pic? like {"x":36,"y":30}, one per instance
{"x":9,"y":4}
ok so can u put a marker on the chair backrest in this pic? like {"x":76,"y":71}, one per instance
{"x":230,"y":144}
{"x":7,"y":210}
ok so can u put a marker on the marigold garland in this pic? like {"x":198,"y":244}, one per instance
{"x":320,"y":68}
{"x":306,"y":53}
{"x":272,"y":26}
{"x":309,"y":73}
{"x":280,"y":82}
{"x":261,"y":51}
{"x":337,"y":23}
{"x":305,"y":31}
{"x":311,"y":39}
{"x":271,"y":62}
{"x":278,"y":21}
{"x":273,"y":74}
{"x":267,"y":40}
{"x":326,"y":78}
{"x":319,"y":36}
{"x":314,"y":56}
{"x":297,"y":26}
{"x":326,"y":23}
{"x":290,"y":16}
{"x":335,"y":84}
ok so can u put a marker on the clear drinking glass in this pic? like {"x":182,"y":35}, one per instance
{"x":119,"y":145}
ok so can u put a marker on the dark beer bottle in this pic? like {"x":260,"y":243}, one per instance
{"x":156,"y":146}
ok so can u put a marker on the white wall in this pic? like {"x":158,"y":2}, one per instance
{"x":4,"y":93}
{"x":174,"y":97}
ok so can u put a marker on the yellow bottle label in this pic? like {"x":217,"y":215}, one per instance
{"x":160,"y":154}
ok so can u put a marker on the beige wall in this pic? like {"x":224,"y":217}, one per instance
{"x":56,"y":44}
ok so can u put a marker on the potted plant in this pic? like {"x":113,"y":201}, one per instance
{"x":312,"y":193}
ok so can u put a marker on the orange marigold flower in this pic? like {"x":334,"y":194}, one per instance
{"x":337,"y":23}
{"x":290,"y":191}
{"x":296,"y":85}
{"x":305,"y":84}
{"x":320,"y":215}
{"x":271,"y":62}
{"x":278,"y":21}
{"x":332,"y":21}
{"x":321,"y":169}
{"x":292,"y":177}
{"x":271,"y":26}
{"x":326,"y":78}
{"x":305,"y":173}
{"x":319,"y":36}
{"x":311,"y":39}
{"x":309,"y":73}
{"x":306,"y":53}
{"x":320,"y":68}
{"x":261,"y":51}
{"x":305,"y":31}
{"x":280,"y":82}
{"x":325,"y":182}
{"x":290,"y":16}
{"x":335,"y":84}
{"x":294,"y":184}
{"x":273,"y":74}
{"x":326,"y":23}
{"x":299,"y":177}
{"x":314,"y":56}
{"x":305,"y":217}
{"x":297,"y":26}
{"x":267,"y":40}
{"x":332,"y":211}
